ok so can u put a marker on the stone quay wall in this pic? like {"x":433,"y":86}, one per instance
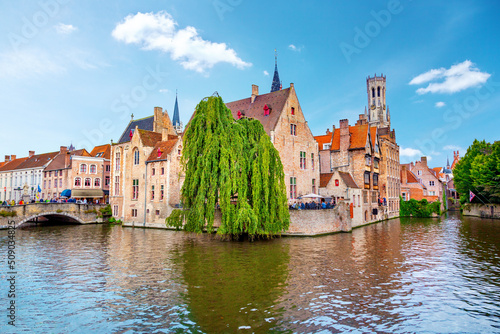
{"x":482,"y":210}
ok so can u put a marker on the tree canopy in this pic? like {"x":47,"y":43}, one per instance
{"x":230,"y":164}
{"x":479,"y":172}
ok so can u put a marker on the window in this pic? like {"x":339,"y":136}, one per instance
{"x":134,"y":212}
{"x":293,"y":187}
{"x":374,"y":197}
{"x":83,"y":168}
{"x":161,"y":192}
{"x":293,"y":129}
{"x":135,"y":189}
{"x":49,"y":183}
{"x":108,"y":168}
{"x":55,"y":173}
{"x":302,"y":160}
{"x":359,"y":201}
{"x":97,"y":182}
{"x":88,"y":182}
{"x":365,"y":197}
{"x":117,"y":161}
{"x":78,"y":182}
{"x":419,"y":172}
{"x":153,"y":171}
{"x":314,"y":186}
{"x":326,"y":146}
{"x":353,"y":200}
{"x":117,"y":185}
{"x":162,"y":171}
{"x":378,"y":91}
{"x":106,"y":181}
{"x":403,"y":196}
{"x":152,"y":192}
{"x":375,"y":163}
{"x":293,"y":111}
{"x":50,"y":174}
{"x":368,"y":160}
{"x":432,"y":193}
{"x":136,"y":157}
{"x":312,"y":161}
{"x":115,"y":210}
{"x":367,"y":178}
{"x":93,"y":169}
{"x":45,"y":184}
{"x":375,"y":179}
{"x":44,"y":174}
{"x":431,"y":183}
{"x":157,"y":212}
{"x":373,"y":92}
{"x":60,"y":183}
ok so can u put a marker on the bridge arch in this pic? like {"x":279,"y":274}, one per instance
{"x":72,"y":218}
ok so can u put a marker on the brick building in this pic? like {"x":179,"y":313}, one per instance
{"x":432,"y":187}
{"x":281,"y":115}
{"x":145,"y":170}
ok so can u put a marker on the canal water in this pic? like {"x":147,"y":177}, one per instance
{"x":400,"y":276}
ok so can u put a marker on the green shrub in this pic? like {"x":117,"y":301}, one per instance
{"x":105,"y":211}
{"x":415,"y":208}
{"x":112,"y":220}
{"x":4,"y":213}
{"x":90,"y":211}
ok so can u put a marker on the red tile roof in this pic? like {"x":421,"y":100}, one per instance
{"x":324,"y":179}
{"x":275,"y":100}
{"x":348,"y":180}
{"x":11,"y":165}
{"x":164,"y":148}
{"x":324,"y":139}
{"x":59,"y":160}
{"x":357,"y":137}
{"x":149,"y":138}
{"x":103,"y":151}
{"x":38,"y":160}
{"x":373,"y":135}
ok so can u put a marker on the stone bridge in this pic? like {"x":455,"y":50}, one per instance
{"x":71,"y":213}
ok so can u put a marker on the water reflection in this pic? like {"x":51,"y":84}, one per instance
{"x":233,"y":285}
{"x":413,"y":275}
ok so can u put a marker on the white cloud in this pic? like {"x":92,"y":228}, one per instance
{"x":440,"y":104}
{"x":65,"y":29}
{"x":295,"y":48}
{"x":452,"y":148}
{"x":158,"y":31}
{"x":410,"y":152}
{"x":266,"y":73}
{"x":164,"y":90}
{"x":455,"y":79}
{"x":24,"y":64}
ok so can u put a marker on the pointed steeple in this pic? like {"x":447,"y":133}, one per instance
{"x":276,"y":79}
{"x":447,"y":163}
{"x":176,"y":120}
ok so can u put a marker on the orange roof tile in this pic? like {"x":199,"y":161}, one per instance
{"x":323,"y":139}
{"x":149,"y":138}
{"x":373,"y":135}
{"x":348,"y":180}
{"x":324,"y":179}
{"x":162,"y":149}
{"x":11,"y":165}
{"x":38,"y":160}
{"x":103,"y":151}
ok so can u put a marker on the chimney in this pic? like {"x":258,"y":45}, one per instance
{"x":403,"y":175}
{"x":458,"y":155}
{"x":164,"y":135}
{"x":291,"y":85}
{"x":328,"y":131}
{"x":12,"y":157}
{"x":7,"y":158}
{"x":63,"y":149}
{"x":255,"y":92}
{"x":344,"y":134}
{"x":67,"y":158}
{"x":424,"y":161}
{"x":157,"y":119}
{"x":31,"y":153}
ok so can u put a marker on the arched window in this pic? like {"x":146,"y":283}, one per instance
{"x":97,"y":182}
{"x":88,"y":182}
{"x":78,"y":182}
{"x":83,"y":168}
{"x":117,"y":161}
{"x":378,"y":91}
{"x":373,"y":92}
{"x":93,"y":169}
{"x":136,"y":157}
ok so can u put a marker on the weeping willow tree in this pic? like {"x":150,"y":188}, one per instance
{"x":232,"y":165}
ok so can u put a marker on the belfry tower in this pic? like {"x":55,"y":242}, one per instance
{"x":378,"y":112}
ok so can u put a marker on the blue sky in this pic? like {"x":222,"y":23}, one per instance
{"x":73,"y":72}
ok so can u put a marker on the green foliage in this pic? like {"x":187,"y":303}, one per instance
{"x":105,"y":211}
{"x":415,"y":208}
{"x":112,"y":220}
{"x":232,"y":165}
{"x":59,"y":211}
{"x":5,"y":213}
{"x":88,"y":211}
{"x":479,"y":171}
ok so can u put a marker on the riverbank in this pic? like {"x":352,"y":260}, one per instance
{"x":482,"y":210}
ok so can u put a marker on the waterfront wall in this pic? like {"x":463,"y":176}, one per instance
{"x":482,"y":210}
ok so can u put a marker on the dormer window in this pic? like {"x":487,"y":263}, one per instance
{"x":326,"y":146}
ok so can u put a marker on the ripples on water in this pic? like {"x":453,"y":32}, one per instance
{"x":413,"y":275}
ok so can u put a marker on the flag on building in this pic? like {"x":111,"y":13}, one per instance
{"x":39,"y":189}
{"x":471,"y":196}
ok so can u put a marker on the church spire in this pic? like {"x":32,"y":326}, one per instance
{"x":176,"y":120}
{"x":276,"y":79}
